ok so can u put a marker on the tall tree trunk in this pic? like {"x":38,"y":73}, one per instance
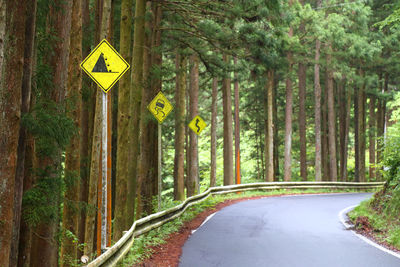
{"x":45,"y":245}
{"x":276,"y":134}
{"x":10,"y":115}
{"x":228,"y":135}
{"x":136,"y":93}
{"x":237,"y":128}
{"x":72,"y":154}
{"x":86,"y":120}
{"x":124,"y":197}
{"x":325,"y":134}
{"x":269,"y":142}
{"x":288,"y":117}
{"x":371,"y":126}
{"x":302,"y":74}
{"x":344,"y":118}
{"x":193,"y":178}
{"x":361,"y":130}
{"x":331,"y":118}
{"x":356,"y":136}
{"x":380,"y":127}
{"x":213,"y":170}
{"x":179,"y":171}
{"x":30,"y":24}
{"x":317,"y":110}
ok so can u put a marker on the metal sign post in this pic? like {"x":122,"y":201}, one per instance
{"x":159,"y":168}
{"x":105,"y":66}
{"x":160,"y":107}
{"x":104,"y":176}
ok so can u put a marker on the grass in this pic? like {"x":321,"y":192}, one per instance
{"x":386,"y":228}
{"x":140,"y":251}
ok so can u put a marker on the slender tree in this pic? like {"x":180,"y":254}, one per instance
{"x":180,"y":108}
{"x":228,"y":142}
{"x":213,"y":165}
{"x":72,"y":155}
{"x":10,"y":114}
{"x":317,"y":109}
{"x":331,"y":117}
{"x":288,"y":117}
{"x":124,"y":197}
{"x":237,"y":128}
{"x":193,"y":178}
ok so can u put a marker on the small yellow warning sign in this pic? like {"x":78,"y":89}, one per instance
{"x":197,"y":125}
{"x":105,"y":65}
{"x":160,"y":107}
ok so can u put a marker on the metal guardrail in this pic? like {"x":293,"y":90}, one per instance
{"x":146,"y":224}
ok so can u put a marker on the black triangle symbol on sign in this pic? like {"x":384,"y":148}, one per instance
{"x":100,"y":65}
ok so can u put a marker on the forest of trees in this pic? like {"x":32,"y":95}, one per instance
{"x":290,"y":90}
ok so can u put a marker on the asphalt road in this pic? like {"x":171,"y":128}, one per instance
{"x":283,"y":231}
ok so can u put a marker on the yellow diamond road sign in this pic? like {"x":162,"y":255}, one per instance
{"x":160,"y":107}
{"x":197,"y":125}
{"x":105,"y":65}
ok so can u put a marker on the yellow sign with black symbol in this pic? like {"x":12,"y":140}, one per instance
{"x":197,"y":125}
{"x":160,"y":107}
{"x":105,"y":65}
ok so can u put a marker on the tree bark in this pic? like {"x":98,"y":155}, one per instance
{"x":317,"y":110}
{"x":269,"y":142}
{"x":72,"y":154}
{"x":213,"y":170}
{"x":380,"y":127}
{"x":331,"y":118}
{"x":30,"y":24}
{"x":179,"y":171}
{"x":10,"y":115}
{"x":237,"y":128}
{"x":276,"y":134}
{"x":302,"y":74}
{"x":193,"y":178}
{"x":371,"y":126}
{"x":124,"y":197}
{"x":288,"y":117}
{"x":361,"y":131}
{"x":136,"y":94}
{"x":45,"y":244}
{"x":228,"y":135}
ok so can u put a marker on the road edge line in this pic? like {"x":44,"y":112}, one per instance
{"x":342,"y":219}
{"x":206,"y":220}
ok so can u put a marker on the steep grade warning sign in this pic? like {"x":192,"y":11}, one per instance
{"x":105,"y":65}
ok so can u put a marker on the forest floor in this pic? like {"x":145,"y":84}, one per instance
{"x":168,"y":254}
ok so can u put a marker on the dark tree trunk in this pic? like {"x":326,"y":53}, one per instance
{"x":69,"y":247}
{"x":45,"y":245}
{"x":331,"y":119}
{"x":371,"y":126}
{"x":214,"y":105}
{"x":228,"y":134}
{"x":193,"y":178}
{"x":237,"y":129}
{"x":302,"y":73}
{"x":317,"y":110}
{"x":180,"y":109}
{"x":10,"y":115}
{"x":124,"y":197}
{"x":269,"y":141}
{"x":30,"y":24}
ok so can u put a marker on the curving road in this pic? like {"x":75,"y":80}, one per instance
{"x":283,"y":231}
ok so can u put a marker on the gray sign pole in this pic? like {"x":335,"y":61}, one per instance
{"x":159,"y":167}
{"x":104,"y":177}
